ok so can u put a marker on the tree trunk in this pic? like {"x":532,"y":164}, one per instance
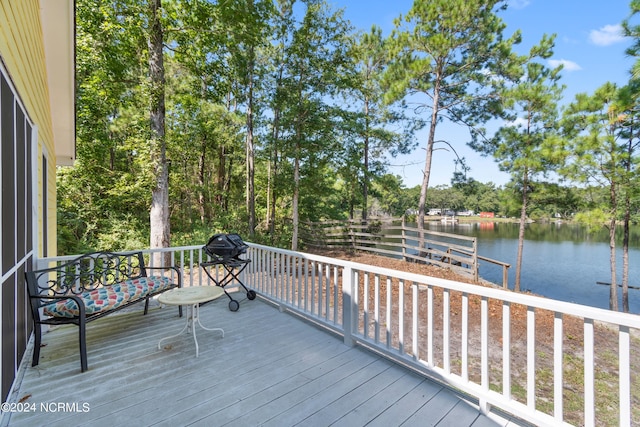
{"x":523,"y":221}
{"x":365,"y":178}
{"x":296,"y":166}
{"x":273,"y":166}
{"x":159,"y":212}
{"x":296,"y":197}
{"x":221,"y":172}
{"x":427,"y":163}
{"x":627,"y":224}
{"x":428,"y":157}
{"x":273,"y":174}
{"x":274,"y":193}
{"x":202,"y":161}
{"x":250,"y":192}
{"x":201,"y":169}
{"x":625,"y":256}
{"x":613,"y":293}
{"x":221,"y":175}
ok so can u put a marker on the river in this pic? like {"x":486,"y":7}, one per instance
{"x":561,"y":261}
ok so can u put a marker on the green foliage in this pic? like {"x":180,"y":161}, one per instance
{"x":594,"y":151}
{"x":326,"y":104}
{"x":601,"y":145}
{"x":525,"y":145}
{"x":594,"y":219}
{"x":370,"y":129}
{"x":388,"y":191}
{"x":449,"y":55}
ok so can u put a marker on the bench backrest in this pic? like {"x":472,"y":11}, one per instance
{"x":85,"y":273}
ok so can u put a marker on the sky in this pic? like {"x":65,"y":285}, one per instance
{"x":588,"y":42}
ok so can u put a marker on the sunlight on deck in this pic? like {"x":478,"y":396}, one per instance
{"x":269,"y":369}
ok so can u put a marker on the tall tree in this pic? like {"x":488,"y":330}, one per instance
{"x":196,"y":101}
{"x":447,"y":54}
{"x":219,"y":44}
{"x":521,"y":146}
{"x":283,"y":27}
{"x":378,"y":128}
{"x":597,"y":155}
{"x":160,"y":229}
{"x":314,"y":66}
{"x":246,"y":23}
{"x":628,"y":101}
{"x":111,"y":130}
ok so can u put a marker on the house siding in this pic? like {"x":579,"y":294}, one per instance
{"x":26,"y":113}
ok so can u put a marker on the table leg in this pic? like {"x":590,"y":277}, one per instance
{"x":197,"y":319}
{"x":184,"y":328}
{"x":193,"y":317}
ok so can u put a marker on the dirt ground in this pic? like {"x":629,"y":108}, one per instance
{"x":518,"y":328}
{"x":606,"y":342}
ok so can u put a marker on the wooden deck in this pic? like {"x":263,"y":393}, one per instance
{"x":270,"y":369}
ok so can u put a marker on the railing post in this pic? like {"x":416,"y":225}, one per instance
{"x":624,"y":375}
{"x":476,"y":267}
{"x":352,"y":235}
{"x":404,"y":239}
{"x":347,"y":305}
{"x":485,"y":407}
{"x":505,"y":277}
{"x":589,"y":374}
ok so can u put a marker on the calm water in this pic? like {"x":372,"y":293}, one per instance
{"x":560,"y":261}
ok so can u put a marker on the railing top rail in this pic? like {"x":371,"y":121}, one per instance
{"x":63,"y":258}
{"x":598,"y":314}
{"x":400,"y":226}
{"x":494,"y":261}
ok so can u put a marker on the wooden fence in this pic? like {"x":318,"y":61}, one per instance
{"x":392,"y":237}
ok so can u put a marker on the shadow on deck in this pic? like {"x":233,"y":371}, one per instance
{"x":269,"y":369}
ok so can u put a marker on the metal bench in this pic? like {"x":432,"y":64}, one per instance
{"x":89,"y":288}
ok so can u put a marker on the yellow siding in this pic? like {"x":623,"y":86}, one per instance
{"x":57,"y":18}
{"x":22,"y":52}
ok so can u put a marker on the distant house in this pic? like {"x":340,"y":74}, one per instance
{"x":37,"y":133}
{"x":487,"y":215}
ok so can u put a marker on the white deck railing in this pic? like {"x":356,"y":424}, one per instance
{"x":544,"y":361}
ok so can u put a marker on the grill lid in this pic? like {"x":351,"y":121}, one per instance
{"x":225,"y":246}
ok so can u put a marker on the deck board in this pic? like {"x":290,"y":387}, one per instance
{"x":269,"y":369}
{"x":383,"y":398}
{"x":410,"y":401}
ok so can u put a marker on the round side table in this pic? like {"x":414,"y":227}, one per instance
{"x":192,"y":297}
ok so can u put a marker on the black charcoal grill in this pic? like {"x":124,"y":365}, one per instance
{"x":224,"y":251}
{"x":225,"y":246}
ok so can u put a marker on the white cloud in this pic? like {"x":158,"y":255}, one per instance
{"x":607,"y":35}
{"x":568,"y":65}
{"x":518,"y":4}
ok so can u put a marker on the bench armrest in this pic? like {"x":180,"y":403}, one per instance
{"x":76,"y":299}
